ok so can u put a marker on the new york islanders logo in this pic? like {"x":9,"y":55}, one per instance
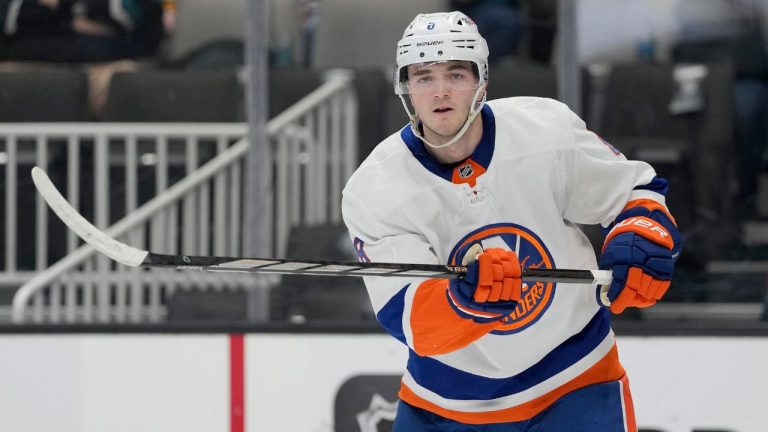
{"x":531,"y":251}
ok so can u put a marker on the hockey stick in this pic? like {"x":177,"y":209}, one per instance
{"x":133,"y":257}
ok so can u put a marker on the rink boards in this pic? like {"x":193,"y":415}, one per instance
{"x":309,"y":382}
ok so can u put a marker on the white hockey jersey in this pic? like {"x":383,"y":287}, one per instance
{"x":535,"y":174}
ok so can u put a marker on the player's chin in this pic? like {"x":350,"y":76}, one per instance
{"x":445,"y":128}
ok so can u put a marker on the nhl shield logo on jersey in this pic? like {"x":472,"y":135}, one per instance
{"x":532,"y":252}
{"x":465,"y":171}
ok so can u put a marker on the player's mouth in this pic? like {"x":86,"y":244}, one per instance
{"x":442,"y":110}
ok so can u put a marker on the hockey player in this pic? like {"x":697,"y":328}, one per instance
{"x":499,"y":186}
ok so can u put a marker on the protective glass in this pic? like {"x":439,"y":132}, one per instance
{"x":437,"y":77}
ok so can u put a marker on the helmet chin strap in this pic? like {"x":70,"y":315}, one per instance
{"x":473,"y":112}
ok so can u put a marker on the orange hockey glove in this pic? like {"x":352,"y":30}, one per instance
{"x":491,"y":288}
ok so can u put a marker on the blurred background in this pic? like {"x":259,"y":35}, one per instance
{"x":140,"y":112}
{"x":120,"y":105}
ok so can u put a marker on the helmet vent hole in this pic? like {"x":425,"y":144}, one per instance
{"x":421,"y":54}
{"x":439,"y":53}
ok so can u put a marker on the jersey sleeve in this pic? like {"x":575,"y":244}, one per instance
{"x":600,"y":181}
{"x":416,"y":311}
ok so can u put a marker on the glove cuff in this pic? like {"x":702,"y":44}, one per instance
{"x":654,"y":211}
{"x":645,"y":227}
{"x":466,"y":312}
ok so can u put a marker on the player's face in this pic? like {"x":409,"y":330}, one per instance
{"x":442,"y":94}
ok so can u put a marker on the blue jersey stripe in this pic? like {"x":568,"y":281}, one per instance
{"x":391,"y":315}
{"x":482,"y":154}
{"x":452,"y":383}
{"x":658,"y":184}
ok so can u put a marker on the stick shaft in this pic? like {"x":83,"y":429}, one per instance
{"x":134,"y":257}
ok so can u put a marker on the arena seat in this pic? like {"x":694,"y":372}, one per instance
{"x":375,"y":98}
{"x":175,"y":96}
{"x":512,"y":78}
{"x":215,"y":54}
{"x":321,"y":298}
{"x":287,"y":85}
{"x":39,"y":95}
{"x":50,"y":95}
{"x":692,"y":149}
{"x":201,"y":95}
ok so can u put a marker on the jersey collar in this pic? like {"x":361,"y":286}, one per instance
{"x":465,"y":171}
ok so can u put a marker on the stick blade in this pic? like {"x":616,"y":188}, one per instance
{"x":105,"y":244}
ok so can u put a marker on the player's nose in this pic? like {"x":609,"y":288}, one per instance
{"x":442,"y":88}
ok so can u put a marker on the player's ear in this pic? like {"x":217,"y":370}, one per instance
{"x":482,"y":93}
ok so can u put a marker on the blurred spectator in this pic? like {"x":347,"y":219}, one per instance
{"x":103,"y":36}
{"x":541,"y":28}
{"x":730,"y":30}
{"x":498,"y":21}
{"x":309,"y":16}
{"x":65,"y":31}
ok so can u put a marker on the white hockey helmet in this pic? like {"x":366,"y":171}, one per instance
{"x":441,"y":37}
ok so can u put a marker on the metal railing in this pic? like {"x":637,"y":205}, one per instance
{"x":105,"y":170}
{"x":314,"y":148}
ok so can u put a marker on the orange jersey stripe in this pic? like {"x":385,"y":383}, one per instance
{"x":436,"y":327}
{"x":651,"y":205}
{"x":643,"y":226}
{"x":606,"y":369}
{"x":629,"y":407}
